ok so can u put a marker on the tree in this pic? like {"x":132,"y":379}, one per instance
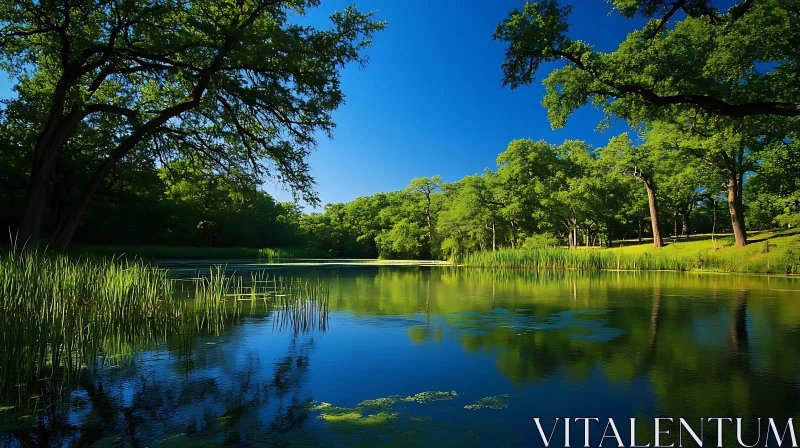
{"x":211,"y":209}
{"x":718,"y":79}
{"x":524,"y":177}
{"x":729,"y":149}
{"x":230,"y":83}
{"x":458,"y":222}
{"x":739,"y":63}
{"x":646,"y":163}
{"x":403,"y":240}
{"x":427,"y":186}
{"x":774,"y":192}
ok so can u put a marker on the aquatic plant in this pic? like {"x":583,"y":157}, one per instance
{"x":427,"y":397}
{"x":494,"y":402}
{"x":60,"y":315}
{"x":375,"y":413}
{"x":383,"y":406}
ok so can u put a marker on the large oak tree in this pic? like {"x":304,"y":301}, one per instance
{"x":237,"y":84}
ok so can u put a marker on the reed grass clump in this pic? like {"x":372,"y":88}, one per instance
{"x":60,"y":315}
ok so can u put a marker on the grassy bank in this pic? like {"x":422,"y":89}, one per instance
{"x":195,"y":253}
{"x":60,"y":315}
{"x":768,"y":252}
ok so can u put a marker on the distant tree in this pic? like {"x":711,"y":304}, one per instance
{"x":729,"y":149}
{"x":427,"y":187}
{"x":459,"y":221}
{"x":525,"y":177}
{"x":403,"y":240}
{"x":774,"y":192}
{"x":646,"y":163}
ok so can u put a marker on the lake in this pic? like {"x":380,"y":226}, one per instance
{"x":444,"y":356}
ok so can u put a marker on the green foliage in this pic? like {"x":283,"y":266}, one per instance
{"x":774,"y":192}
{"x":736,"y":64}
{"x":540,"y":241}
{"x":403,"y":240}
{"x":718,"y":87}
{"x":238,"y":86}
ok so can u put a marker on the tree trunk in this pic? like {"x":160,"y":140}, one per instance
{"x":685,"y":224}
{"x":35,"y":203}
{"x":48,"y":145}
{"x":675,"y":229}
{"x":653,"y":203}
{"x":67,"y":230}
{"x":430,"y":224}
{"x":494,"y":237}
{"x":640,"y":231}
{"x":714,"y":218}
{"x":737,"y":209}
{"x":570,"y":237}
{"x":36,"y":195}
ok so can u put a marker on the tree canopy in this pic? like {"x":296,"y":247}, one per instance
{"x":232,"y":84}
{"x":737,"y":63}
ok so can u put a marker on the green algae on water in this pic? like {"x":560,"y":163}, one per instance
{"x":497,"y":402}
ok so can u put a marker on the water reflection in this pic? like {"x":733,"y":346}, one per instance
{"x":705,"y":345}
{"x":142,"y":405}
{"x":512,"y":345}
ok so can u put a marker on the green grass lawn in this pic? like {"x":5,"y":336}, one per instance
{"x":767,"y":252}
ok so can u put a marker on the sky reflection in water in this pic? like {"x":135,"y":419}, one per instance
{"x":492,"y":349}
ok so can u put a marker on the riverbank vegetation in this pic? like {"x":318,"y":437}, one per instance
{"x":61,"y":315}
{"x":767,"y":253}
{"x":194,"y":253}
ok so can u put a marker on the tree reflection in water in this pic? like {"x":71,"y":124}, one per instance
{"x":675,"y":345}
{"x":187,"y":389}
{"x":114,"y":409}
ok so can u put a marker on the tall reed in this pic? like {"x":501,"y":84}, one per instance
{"x":57,"y":314}
{"x":752,"y":259}
{"x":60,"y":315}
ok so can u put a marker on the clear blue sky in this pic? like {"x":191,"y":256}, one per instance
{"x":430,"y":101}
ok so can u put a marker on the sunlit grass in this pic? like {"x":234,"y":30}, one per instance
{"x":777,"y":253}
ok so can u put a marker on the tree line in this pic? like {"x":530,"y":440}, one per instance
{"x":541,"y":194}
{"x":722,"y":86}
{"x":166,"y":117}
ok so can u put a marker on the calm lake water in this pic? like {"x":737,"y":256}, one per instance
{"x":439,"y":356}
